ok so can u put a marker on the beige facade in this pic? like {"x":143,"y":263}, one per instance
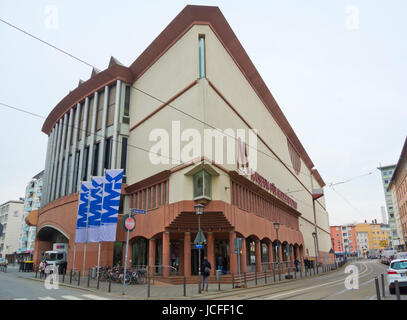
{"x":173,"y":72}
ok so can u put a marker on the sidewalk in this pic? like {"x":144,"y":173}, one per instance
{"x":161,"y":290}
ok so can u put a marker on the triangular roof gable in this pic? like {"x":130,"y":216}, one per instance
{"x":192,"y":15}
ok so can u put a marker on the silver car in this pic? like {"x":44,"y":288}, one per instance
{"x":397,"y":271}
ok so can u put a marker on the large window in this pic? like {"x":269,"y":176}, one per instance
{"x":99,"y":116}
{"x":126,"y":110}
{"x":124,"y":155}
{"x":202,"y":185}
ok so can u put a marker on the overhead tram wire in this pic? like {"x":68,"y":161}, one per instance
{"x":148,"y":94}
{"x":99,"y":135}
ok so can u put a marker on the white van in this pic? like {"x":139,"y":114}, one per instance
{"x":57,"y":257}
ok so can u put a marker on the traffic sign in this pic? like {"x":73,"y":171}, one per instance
{"x":200,"y":238}
{"x":140,"y":211}
{"x":198,"y":246}
{"x":237,"y":245}
{"x":128,"y":223}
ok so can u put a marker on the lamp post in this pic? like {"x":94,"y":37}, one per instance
{"x":314,"y":234}
{"x":199,"y":211}
{"x":276,"y":226}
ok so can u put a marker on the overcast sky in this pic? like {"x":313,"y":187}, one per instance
{"x":336,"y":68}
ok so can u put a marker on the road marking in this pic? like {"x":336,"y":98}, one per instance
{"x":71,"y":298}
{"x":46,"y":298}
{"x":308,"y":288}
{"x":93,"y":297}
{"x":20,"y":299}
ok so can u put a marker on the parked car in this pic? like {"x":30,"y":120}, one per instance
{"x":387,"y":256}
{"x":397,"y":271}
{"x":400,"y":255}
{"x":3,"y":262}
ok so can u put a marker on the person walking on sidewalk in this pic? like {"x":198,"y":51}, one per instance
{"x":206,"y":267}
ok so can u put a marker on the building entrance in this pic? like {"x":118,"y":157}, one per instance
{"x":195,"y":259}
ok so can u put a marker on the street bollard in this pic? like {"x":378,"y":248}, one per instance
{"x":245,"y":280}
{"x":233,"y":281}
{"x":88,"y":284}
{"x":36,"y":273}
{"x":376,"y":281}
{"x":70,"y":277}
{"x":384,"y":291}
{"x":97,"y":286}
{"x":185,"y":286}
{"x":79,"y":278}
{"x":255,"y":278}
{"x":63,"y":278}
{"x":396,"y":285}
{"x":274,"y":274}
{"x":109,"y":289}
{"x":265,"y":276}
{"x":148,"y":285}
{"x":219,"y":283}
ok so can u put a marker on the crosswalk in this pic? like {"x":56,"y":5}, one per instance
{"x":68,"y":297}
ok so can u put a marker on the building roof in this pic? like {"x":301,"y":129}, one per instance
{"x":403,"y":157}
{"x":39,"y":175}
{"x":11,"y":201}
{"x":191,"y":15}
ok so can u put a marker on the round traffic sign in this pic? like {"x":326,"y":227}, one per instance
{"x":128,"y":223}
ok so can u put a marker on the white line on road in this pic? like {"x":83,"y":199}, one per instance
{"x":91,"y":296}
{"x":20,"y":299}
{"x":71,"y":298}
{"x":308,"y":288}
{"x":46,"y":298}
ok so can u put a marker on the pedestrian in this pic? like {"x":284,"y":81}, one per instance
{"x":206,"y":268}
{"x":42,"y":268}
{"x":296,"y":262}
{"x":306,"y":264}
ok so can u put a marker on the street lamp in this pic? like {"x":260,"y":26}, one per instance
{"x":199,"y":211}
{"x":314,"y":234}
{"x":276,"y":226}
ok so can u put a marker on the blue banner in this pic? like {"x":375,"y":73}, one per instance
{"x":95,"y":209}
{"x":111,"y":202}
{"x":83,"y":203}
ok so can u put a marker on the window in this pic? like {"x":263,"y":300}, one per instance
{"x":386,"y":181}
{"x":80,"y":122}
{"x":99,"y":110}
{"x":126,"y":110}
{"x":68,"y":175}
{"x":95,"y":159}
{"x":111,"y":106}
{"x":124,"y":155}
{"x":75,"y":172}
{"x":202,"y":185}
{"x":201,"y":49}
{"x":84,"y":173}
{"x":108,"y":153}
{"x":92,"y":108}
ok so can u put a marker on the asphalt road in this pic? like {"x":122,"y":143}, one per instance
{"x":329,"y":286}
{"x":12,"y":287}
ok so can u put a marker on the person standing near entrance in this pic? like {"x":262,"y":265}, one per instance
{"x":206,"y":267}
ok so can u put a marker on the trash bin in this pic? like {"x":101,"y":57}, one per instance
{"x":218,"y":275}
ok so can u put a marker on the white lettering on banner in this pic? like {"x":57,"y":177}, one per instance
{"x":82,"y":212}
{"x":111,"y":202}
{"x":95,"y":209}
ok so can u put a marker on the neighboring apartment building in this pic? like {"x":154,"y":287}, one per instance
{"x":379,"y":235}
{"x":345,"y":239}
{"x":398,"y":189}
{"x":363,"y":243}
{"x":32,"y":201}
{"x":387,"y":173}
{"x":198,"y":65}
{"x":10,"y":217}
